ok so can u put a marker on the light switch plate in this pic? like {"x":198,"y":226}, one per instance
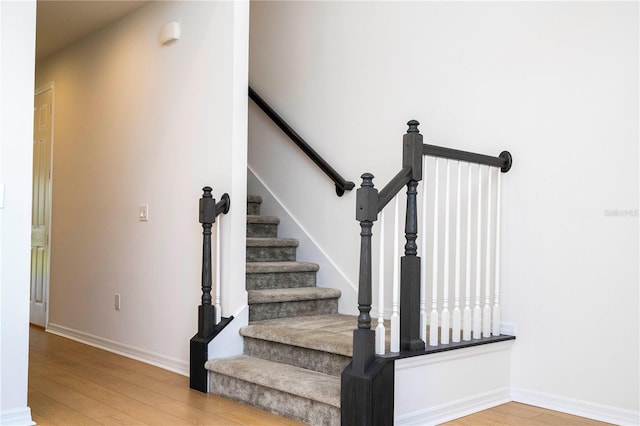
{"x":143,"y":212}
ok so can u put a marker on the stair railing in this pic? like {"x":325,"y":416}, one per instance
{"x":367,"y":383}
{"x":210,"y":320}
{"x":341,"y":183}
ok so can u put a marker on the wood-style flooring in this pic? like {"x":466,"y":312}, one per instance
{"x":75,"y":384}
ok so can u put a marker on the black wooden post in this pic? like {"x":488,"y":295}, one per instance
{"x":368,"y":381}
{"x":207,"y":327}
{"x":206,"y":311}
{"x":366,"y":213}
{"x":410,"y":262}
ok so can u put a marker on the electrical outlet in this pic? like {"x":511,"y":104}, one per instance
{"x":117,"y":301}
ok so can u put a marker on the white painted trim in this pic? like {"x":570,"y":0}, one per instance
{"x":452,"y":355}
{"x":16,"y":417}
{"x":509,"y":328}
{"x":456,"y":409}
{"x":230,"y":342}
{"x":167,"y":363}
{"x":297,"y":222}
{"x":44,"y":88}
{"x":577,"y":407}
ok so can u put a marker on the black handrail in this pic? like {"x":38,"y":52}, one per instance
{"x":503,"y":161}
{"x":393,"y":187}
{"x":342,"y":184}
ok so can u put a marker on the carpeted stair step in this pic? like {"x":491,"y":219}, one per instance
{"x":322,"y":343}
{"x":266,"y":275}
{"x":292,"y":302}
{"x":253,"y":204}
{"x":271,"y":249}
{"x":297,"y":393}
{"x":262,"y":226}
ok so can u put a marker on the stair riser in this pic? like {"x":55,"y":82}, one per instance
{"x":285,"y":404}
{"x":263,"y":281}
{"x":271,"y":254}
{"x":262,"y":230}
{"x":253,"y":208}
{"x":322,"y":362}
{"x":265,"y":311}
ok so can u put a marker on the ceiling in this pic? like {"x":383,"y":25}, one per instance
{"x":60,"y":23}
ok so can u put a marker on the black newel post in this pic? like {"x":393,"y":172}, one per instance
{"x":366,"y":213}
{"x":207,"y":327}
{"x":206,"y":311}
{"x":410,"y":262}
{"x":367,"y":382}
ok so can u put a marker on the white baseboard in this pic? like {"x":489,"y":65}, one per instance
{"x":19,"y":417}
{"x":162,"y":361}
{"x":577,"y":407}
{"x":456,"y":409}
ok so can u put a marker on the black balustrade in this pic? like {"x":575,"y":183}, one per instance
{"x":367,"y":383}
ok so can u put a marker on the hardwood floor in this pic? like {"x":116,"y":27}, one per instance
{"x":515,"y":413}
{"x":75,"y":384}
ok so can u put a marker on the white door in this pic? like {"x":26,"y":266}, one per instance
{"x":42,"y":135}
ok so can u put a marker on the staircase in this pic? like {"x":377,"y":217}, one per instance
{"x":296,"y":344}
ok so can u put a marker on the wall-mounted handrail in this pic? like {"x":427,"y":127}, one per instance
{"x":503,"y":161}
{"x":341,"y":183}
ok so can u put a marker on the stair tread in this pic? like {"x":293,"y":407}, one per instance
{"x":272,"y":242}
{"x":266,"y":267}
{"x":286,"y":378}
{"x":275,"y":295}
{"x":254,"y":199}
{"x":252,"y":218}
{"x":331,"y":333}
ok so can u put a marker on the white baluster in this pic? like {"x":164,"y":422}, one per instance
{"x":455,"y":327}
{"x":496,"y":303}
{"x":486,"y":312}
{"x":380,"y":330}
{"x":433,"y":320}
{"x":444,"y":326}
{"x":466,"y":316}
{"x":395,"y":316}
{"x":423,"y":263}
{"x":218,"y":270}
{"x":477,"y":312}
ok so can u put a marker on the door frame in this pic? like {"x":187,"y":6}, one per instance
{"x":47,"y":281}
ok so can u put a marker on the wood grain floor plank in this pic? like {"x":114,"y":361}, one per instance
{"x":41,"y":421}
{"x":515,"y":413}
{"x":113,"y":399}
{"x":119,"y":419}
{"x":80,"y":402}
{"x":250,"y":416}
{"x":182,"y":393}
{"x":55,"y":412}
{"x":196,"y":416}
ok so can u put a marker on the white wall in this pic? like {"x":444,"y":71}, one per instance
{"x":136,"y":123}
{"x":17,"y":38}
{"x":452,"y":384}
{"x":554,"y":83}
